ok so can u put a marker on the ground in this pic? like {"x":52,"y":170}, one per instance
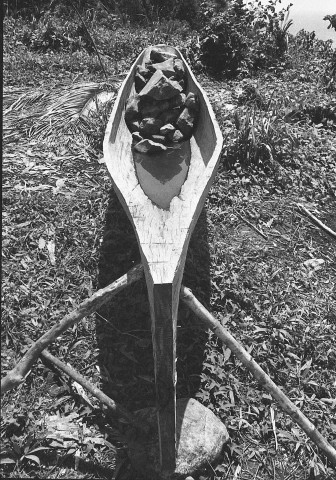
{"x":255,"y":260}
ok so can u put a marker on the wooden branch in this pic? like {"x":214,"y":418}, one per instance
{"x":251,"y":225}
{"x":318,"y":222}
{"x":112,"y":406}
{"x":285,"y":403}
{"x":20,"y":371}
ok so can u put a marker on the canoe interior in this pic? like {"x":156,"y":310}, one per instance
{"x":178,"y":186}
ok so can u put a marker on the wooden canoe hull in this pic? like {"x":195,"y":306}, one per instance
{"x":163,"y":226}
{"x":163,"y":233}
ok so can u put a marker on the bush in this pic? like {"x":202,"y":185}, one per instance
{"x":144,"y":11}
{"x":332,"y":21}
{"x":330,"y":73}
{"x":222,"y":44}
{"x":243,"y":39}
{"x":53,"y":33}
{"x":25,"y":8}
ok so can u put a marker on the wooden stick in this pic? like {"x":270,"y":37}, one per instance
{"x":111,"y":405}
{"x":318,"y":222}
{"x":17,"y":375}
{"x":252,"y":226}
{"x":286,"y":404}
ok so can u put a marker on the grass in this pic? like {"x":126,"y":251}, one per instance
{"x":65,"y":235}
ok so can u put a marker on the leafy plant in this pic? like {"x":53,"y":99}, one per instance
{"x":243,"y":38}
{"x":259,"y":135}
{"x":49,"y":33}
{"x":330,"y":73}
{"x":332,"y":21}
{"x":22,"y":450}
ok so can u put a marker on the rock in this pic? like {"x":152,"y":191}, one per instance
{"x":139,"y":82}
{"x":183,"y":83}
{"x":178,"y":136}
{"x":170,"y":116}
{"x":153,"y":108}
{"x":179,"y":68}
{"x":143,"y":71}
{"x":167,"y":67}
{"x":150,"y":126}
{"x":192,"y":102}
{"x":148,"y":146}
{"x":185,"y":122}
{"x":177,"y":101}
{"x":201,"y":439}
{"x":157,"y":56}
{"x":158,"y":138}
{"x":160,"y":87}
{"x":136,"y":137}
{"x":133,"y":126}
{"x":167,"y":130}
{"x":132,"y":108}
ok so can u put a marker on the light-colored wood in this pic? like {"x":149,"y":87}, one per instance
{"x":163,"y":227}
{"x":259,"y":374}
{"x":318,"y":222}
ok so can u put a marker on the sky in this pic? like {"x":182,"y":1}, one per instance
{"x":308,"y":14}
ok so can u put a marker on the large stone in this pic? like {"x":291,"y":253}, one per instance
{"x":200,"y":440}
{"x":186,"y":122}
{"x":183,"y":83}
{"x":157,"y":55}
{"x":192,"y":102}
{"x":167,"y":130}
{"x":177,"y":101}
{"x":143,"y":71}
{"x":160,"y":87}
{"x":136,"y":137}
{"x":132,"y":108}
{"x":170,"y":116}
{"x":178,"y":136}
{"x":139,"y":82}
{"x":179,"y":68}
{"x":166,"y":67}
{"x":150,"y":126}
{"x":153,"y":108}
{"x":149,"y":107}
{"x":158,"y":138}
{"x":133,"y":126}
{"x":149,"y":146}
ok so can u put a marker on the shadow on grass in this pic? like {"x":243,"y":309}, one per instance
{"x":123,"y":325}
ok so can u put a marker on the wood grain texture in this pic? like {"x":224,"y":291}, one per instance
{"x":163,"y":232}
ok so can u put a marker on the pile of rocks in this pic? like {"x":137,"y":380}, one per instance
{"x":160,"y":113}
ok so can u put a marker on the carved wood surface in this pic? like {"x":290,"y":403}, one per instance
{"x":163,"y":232}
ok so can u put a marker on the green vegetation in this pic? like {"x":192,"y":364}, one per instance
{"x":65,"y":235}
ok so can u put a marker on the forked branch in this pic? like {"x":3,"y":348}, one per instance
{"x":20,"y":371}
{"x":285,"y":403}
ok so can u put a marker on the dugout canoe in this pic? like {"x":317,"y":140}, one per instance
{"x":163,"y":195}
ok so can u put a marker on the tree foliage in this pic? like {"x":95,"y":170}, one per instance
{"x":332,"y":20}
{"x":244,"y":37}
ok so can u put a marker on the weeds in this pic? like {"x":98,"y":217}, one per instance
{"x":65,"y":234}
{"x":261,"y":138}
